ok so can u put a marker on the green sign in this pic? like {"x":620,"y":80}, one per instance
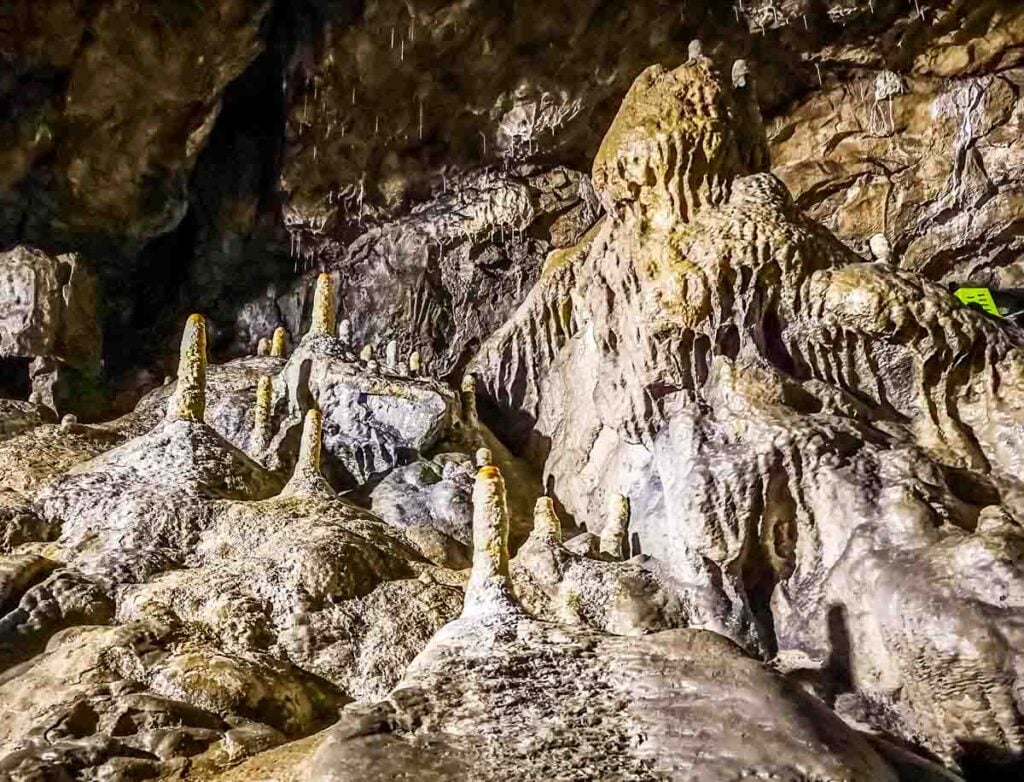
{"x":978,"y":297}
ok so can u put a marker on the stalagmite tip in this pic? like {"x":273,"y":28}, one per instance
{"x":188,"y":403}
{"x":279,"y":344}
{"x":546,"y":524}
{"x":615,"y":533}
{"x":323,"y":307}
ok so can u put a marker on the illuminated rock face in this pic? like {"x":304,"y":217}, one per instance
{"x":762,"y":515}
{"x":812,"y":437}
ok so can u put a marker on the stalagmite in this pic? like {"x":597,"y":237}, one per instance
{"x":546,"y":525}
{"x":740,"y":72}
{"x":278,"y":346}
{"x":615,"y":533}
{"x":345,"y":331}
{"x":68,"y":422}
{"x":188,"y":403}
{"x":306,"y":478}
{"x":469,"y":413}
{"x":391,"y":355}
{"x":415,"y":363}
{"x":261,"y":416}
{"x":489,"y":591}
{"x":366,"y":353}
{"x":322,"y":324}
{"x":881,"y":250}
{"x":263,"y":347}
{"x":695,"y":50}
{"x":484,"y":457}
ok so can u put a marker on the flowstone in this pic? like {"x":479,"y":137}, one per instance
{"x":814,"y":442}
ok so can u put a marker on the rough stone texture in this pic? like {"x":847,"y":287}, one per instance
{"x":149,"y":499}
{"x":520,"y":699}
{"x":312,"y":579}
{"x":48,"y":312}
{"x":441,"y":279}
{"x":105,"y":702}
{"x":230,"y":400}
{"x":108,"y":146}
{"x":373,"y":420}
{"x":920,"y":146}
{"x":17,"y":416}
{"x":820,"y":456}
{"x":431,"y":502}
{"x":662,"y":343}
{"x":623,"y":598}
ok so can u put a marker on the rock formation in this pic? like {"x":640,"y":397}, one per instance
{"x":481,"y":466}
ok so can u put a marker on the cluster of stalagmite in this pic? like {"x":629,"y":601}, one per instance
{"x":188,"y":403}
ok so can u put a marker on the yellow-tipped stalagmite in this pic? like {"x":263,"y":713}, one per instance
{"x":309,"y":448}
{"x":263,"y":347}
{"x":307,"y":480}
{"x":469,"y":414}
{"x":615,"y":533}
{"x":261,"y":416}
{"x":546,"y":524}
{"x":415,"y":363}
{"x":279,"y":344}
{"x":489,"y":589}
{"x":188,"y":403}
{"x":322,"y":324}
{"x":484,"y":457}
{"x":366,"y":353}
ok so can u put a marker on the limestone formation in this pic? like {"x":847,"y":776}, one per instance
{"x":546,"y":525}
{"x":489,"y":591}
{"x":752,"y":319}
{"x":615,"y":530}
{"x":279,"y":343}
{"x":189,"y":400}
{"x":306,"y":477}
{"x":693,"y":490}
{"x":468,"y":397}
{"x":391,"y":355}
{"x":322,"y":323}
{"x":261,"y":416}
{"x":880,"y":248}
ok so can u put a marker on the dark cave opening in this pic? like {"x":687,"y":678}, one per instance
{"x":15,"y":380}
